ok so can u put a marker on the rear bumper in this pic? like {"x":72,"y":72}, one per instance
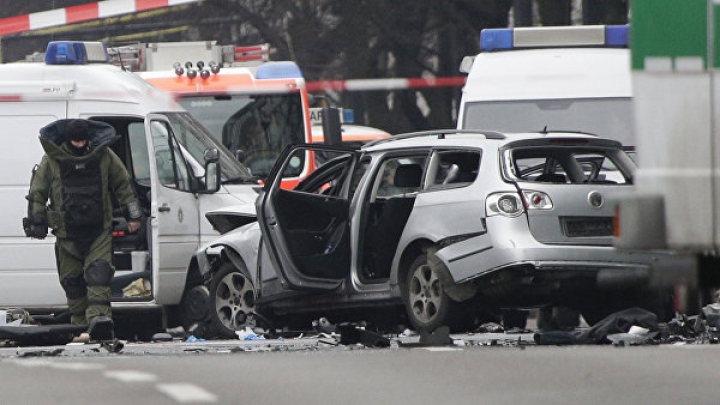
{"x":482,"y":256}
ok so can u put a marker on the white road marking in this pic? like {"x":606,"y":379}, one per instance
{"x":180,"y":392}
{"x":186,"y":393}
{"x":59,"y":365}
{"x":442,"y":349}
{"x":127,"y":376}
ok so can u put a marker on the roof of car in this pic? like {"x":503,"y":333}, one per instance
{"x":473,"y":138}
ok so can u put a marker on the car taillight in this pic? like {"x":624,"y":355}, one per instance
{"x":537,"y":200}
{"x":505,"y":204}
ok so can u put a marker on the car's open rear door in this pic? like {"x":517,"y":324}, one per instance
{"x":306,"y":229}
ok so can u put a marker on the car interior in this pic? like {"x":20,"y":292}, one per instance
{"x":562,"y":165}
{"x":387,"y":219}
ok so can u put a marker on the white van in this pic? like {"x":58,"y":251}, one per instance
{"x":574,"y":78}
{"x":179,"y":172}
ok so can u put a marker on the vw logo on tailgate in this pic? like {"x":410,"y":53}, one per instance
{"x":595,"y":199}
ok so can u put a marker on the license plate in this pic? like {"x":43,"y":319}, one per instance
{"x":574,"y":227}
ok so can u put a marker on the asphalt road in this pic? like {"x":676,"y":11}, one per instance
{"x":476,"y":369}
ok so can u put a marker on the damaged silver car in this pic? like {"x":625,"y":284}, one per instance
{"x":452,"y":225}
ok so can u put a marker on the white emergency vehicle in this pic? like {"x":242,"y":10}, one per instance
{"x":561,"y":78}
{"x":179,"y":172}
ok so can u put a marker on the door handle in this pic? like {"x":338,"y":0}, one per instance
{"x":164,"y":208}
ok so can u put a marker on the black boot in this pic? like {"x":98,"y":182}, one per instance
{"x":101,"y":328}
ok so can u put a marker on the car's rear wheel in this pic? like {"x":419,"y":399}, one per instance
{"x":427,"y":304}
{"x":232,"y":300}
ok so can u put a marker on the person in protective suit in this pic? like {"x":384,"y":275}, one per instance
{"x":78,"y":175}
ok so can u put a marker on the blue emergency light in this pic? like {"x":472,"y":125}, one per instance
{"x":279,"y":70}
{"x":499,"y":39}
{"x":617,"y":36}
{"x":65,"y":53}
{"x":75,"y":53}
{"x":495,"y":39}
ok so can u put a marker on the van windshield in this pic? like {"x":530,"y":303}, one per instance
{"x":254,"y":127}
{"x":195,"y":140}
{"x":607,"y":117}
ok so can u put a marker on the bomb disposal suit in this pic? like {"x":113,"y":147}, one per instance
{"x":79,"y":184}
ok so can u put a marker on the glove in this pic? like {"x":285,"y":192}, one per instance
{"x":36,"y":228}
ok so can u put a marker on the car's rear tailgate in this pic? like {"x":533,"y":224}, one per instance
{"x":581,"y":214}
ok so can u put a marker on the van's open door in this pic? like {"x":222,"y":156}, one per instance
{"x":174,"y":208}
{"x":306,"y":229}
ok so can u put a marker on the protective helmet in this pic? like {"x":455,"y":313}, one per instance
{"x":77,"y":130}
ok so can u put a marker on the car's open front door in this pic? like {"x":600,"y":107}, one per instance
{"x":306,"y":229}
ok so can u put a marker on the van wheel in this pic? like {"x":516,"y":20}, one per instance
{"x":427,"y":304}
{"x":232,"y":301}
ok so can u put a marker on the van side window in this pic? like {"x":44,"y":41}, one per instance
{"x":172,"y":169}
{"x":139,"y":151}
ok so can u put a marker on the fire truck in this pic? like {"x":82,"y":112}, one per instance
{"x":254,"y":106}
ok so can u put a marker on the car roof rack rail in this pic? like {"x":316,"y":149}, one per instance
{"x":546,"y":131}
{"x":440,"y":134}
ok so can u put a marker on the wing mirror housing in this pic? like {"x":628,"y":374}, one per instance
{"x":212,"y":170}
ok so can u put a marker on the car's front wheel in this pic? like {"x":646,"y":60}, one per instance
{"x":427,"y":304}
{"x":232,"y":300}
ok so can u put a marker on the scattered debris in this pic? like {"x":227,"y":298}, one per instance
{"x":178,"y":332}
{"x":248,"y":334}
{"x":113,"y":346}
{"x":352,"y":334}
{"x":138,"y":288}
{"x":41,"y":353}
{"x":322,"y":325}
{"x":631,"y":339}
{"x":81,"y":338}
{"x":39,"y":335}
{"x":555,"y":338}
{"x":162,"y":337}
{"x":490,"y":327}
{"x":438,"y":337}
